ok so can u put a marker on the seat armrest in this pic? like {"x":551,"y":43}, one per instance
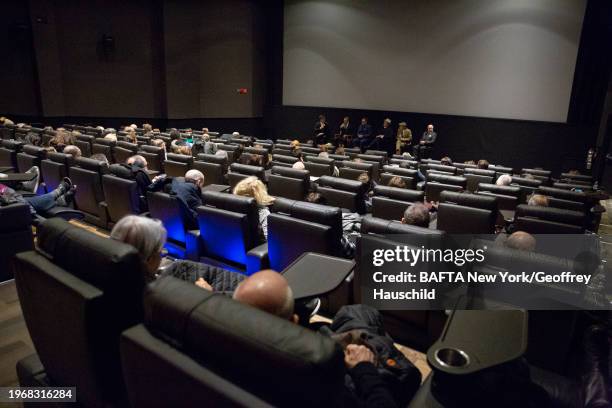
{"x":66,"y":213}
{"x":257,"y":259}
{"x":193,"y":245}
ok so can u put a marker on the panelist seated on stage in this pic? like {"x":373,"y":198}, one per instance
{"x":426,"y":143}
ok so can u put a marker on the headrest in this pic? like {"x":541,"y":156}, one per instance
{"x":86,"y":138}
{"x":400,"y":171}
{"x":227,"y":147}
{"x":62,"y":158}
{"x":354,"y":186}
{"x":291,"y":172}
{"x":537,"y":172}
{"x":564,"y":194}
{"x":284,"y":158}
{"x":322,"y":214}
{"x":181,"y":158}
{"x":121,"y":171}
{"x":479,"y":172}
{"x":569,"y":186}
{"x":375,"y":225}
{"x":500,"y":169}
{"x":339,"y":157}
{"x":442,"y":168}
{"x":247,"y":169}
{"x":377,"y":153}
{"x":212,"y":158}
{"x":433,"y":161}
{"x":105,"y":142}
{"x":229,"y":202}
{"x":102,"y":262}
{"x":466,"y":166}
{"x":505,"y":190}
{"x":36,"y":130}
{"x":469,"y":200}
{"x":526,"y":182}
{"x":369,"y":157}
{"x":236,"y":341}
{"x":581,"y":177}
{"x":444,"y":179}
{"x":13,"y":144}
{"x":127,"y":145}
{"x":151,"y":149}
{"x":319,"y":160}
{"x":358,"y":166}
{"x":551,"y":214}
{"x":89,"y":164}
{"x":256,"y":150}
{"x":402,"y":194}
{"x":34,"y":150}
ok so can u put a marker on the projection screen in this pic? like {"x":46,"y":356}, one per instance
{"x":488,"y":58}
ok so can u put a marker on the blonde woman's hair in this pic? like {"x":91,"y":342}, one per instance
{"x":253,"y":187}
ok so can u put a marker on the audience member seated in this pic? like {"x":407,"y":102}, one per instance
{"x":538,"y":200}
{"x":521,"y":240}
{"x":397,"y":181}
{"x":255,"y":188}
{"x":503,"y":180}
{"x":100,"y":157}
{"x":446,"y":161}
{"x":39,"y":204}
{"x":148,"y":236}
{"x":72,"y":150}
{"x":417,"y":214}
{"x":189,"y":193}
{"x":483,"y":164}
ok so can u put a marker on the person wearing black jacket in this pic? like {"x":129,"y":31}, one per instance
{"x":423,"y":149}
{"x":189,"y":193}
{"x":345,"y":133}
{"x":322,"y":132}
{"x":385,"y":139}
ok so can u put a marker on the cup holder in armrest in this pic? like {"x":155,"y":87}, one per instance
{"x":452,"y":357}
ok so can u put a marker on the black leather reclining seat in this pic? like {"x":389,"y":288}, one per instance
{"x":213,"y":158}
{"x":258,"y":151}
{"x":343,"y":193}
{"x":403,"y":162}
{"x":377,"y":161}
{"x":29,"y":156}
{"x":124,"y":150}
{"x":438,"y":168}
{"x":15,"y":235}
{"x":408,"y":175}
{"x":319,"y":166}
{"x":54,"y":168}
{"x":438,"y":182}
{"x":228,"y":230}
{"x":538,"y":174}
{"x":508,"y":196}
{"x":283,"y":158}
{"x":8,"y":153}
{"x":390,"y":202}
{"x":239,"y":172}
{"x":499,"y":170}
{"x":205,"y":349}
{"x":381,"y":153}
{"x":548,"y":220}
{"x":469,"y":200}
{"x":232,"y":151}
{"x":289,"y":183}
{"x":462,"y":167}
{"x":7,"y":132}
{"x":176,"y":165}
{"x":576,"y":178}
{"x":105,"y":147}
{"x":476,"y":176}
{"x":168,"y":209}
{"x":155,"y":157}
{"x":121,"y":192}
{"x":352,"y":170}
{"x":573,"y":186}
{"x":292,"y":221}
{"x":213,"y":172}
{"x":416,"y":236}
{"x":463,"y":213}
{"x":78,"y":293}
{"x":527,"y":186}
{"x":84,"y":142}
{"x":89,"y":197}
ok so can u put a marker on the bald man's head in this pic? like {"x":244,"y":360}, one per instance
{"x":521,"y":240}
{"x":269,"y":291}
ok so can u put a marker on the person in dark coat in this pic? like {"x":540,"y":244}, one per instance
{"x":385,"y":139}
{"x":322,"y":132}
{"x":189,"y":193}
{"x":364,"y":135}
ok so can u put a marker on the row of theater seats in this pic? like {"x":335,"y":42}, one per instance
{"x":178,"y":345}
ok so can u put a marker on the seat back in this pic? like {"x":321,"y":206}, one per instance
{"x":239,"y":172}
{"x":440,"y":168}
{"x":30,"y":156}
{"x":121,"y":197}
{"x":15,"y":235}
{"x":434,"y":188}
{"x":121,"y":153}
{"x":352,"y":170}
{"x":84,"y":142}
{"x":87,"y":175}
{"x":389,"y":203}
{"x":176,"y":165}
{"x":105,"y":147}
{"x":201,"y":329}
{"x":469,"y":200}
{"x":317,"y":168}
{"x":408,"y":175}
{"x":458,"y":219}
{"x":292,"y":221}
{"x":418,"y":235}
{"x":155,"y":156}
{"x":213,"y":172}
{"x":548,"y":220}
{"x":167,"y":209}
{"x":228,"y":226}
{"x":55,"y":168}
{"x":343,"y":193}
{"x":90,"y":287}
{"x":289,"y":183}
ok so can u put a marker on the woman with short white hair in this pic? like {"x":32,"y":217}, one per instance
{"x":504,"y":180}
{"x":148,"y":236}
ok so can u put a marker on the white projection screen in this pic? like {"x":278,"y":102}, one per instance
{"x":488,"y":58}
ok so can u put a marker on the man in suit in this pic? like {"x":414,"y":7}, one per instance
{"x":322,"y":133}
{"x":423,"y":149}
{"x":364,"y":134}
